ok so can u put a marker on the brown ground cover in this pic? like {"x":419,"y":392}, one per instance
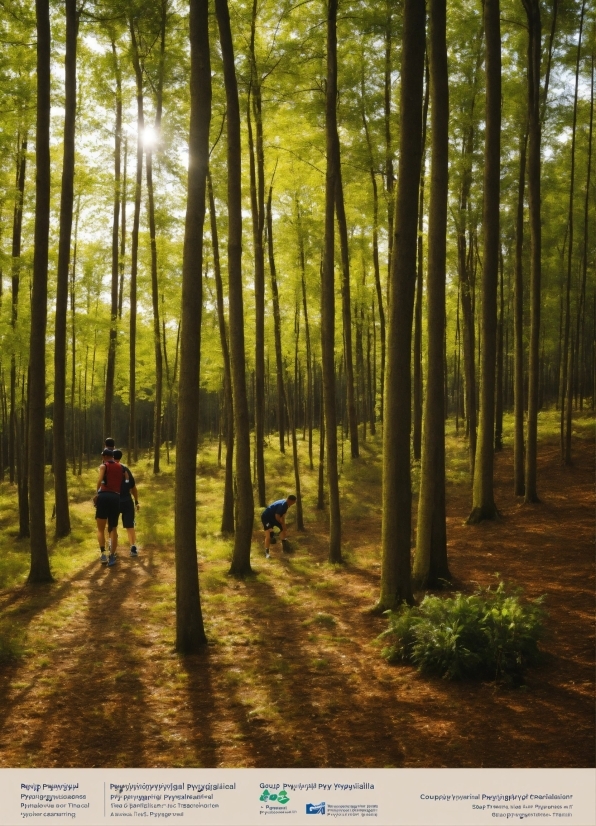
{"x":293,"y":675}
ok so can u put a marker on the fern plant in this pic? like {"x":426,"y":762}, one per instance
{"x":488,"y":634}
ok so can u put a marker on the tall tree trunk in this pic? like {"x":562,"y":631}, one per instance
{"x":518,"y":327}
{"x":581,"y":311}
{"x":388,"y":147}
{"x":370,"y":384}
{"x":321,"y":473}
{"x":40,"y":563}
{"x":23,"y":460}
{"x":157,"y":410}
{"x":309,"y":366}
{"x":568,"y":390}
{"x":257,"y":200}
{"x":532,"y":8}
{"x":396,"y":586}
{"x":73,"y":331}
{"x":328,"y":287}
{"x":467,"y":308}
{"x":465,"y":254}
{"x":376,"y":266}
{"x":123,"y":229}
{"x":66,"y":212}
{"x":134,"y":252}
{"x":292,"y":409}
{"x":227,"y":517}
{"x":276,"y":327}
{"x":483,"y":502}
{"x":417,"y":435}
{"x":499,"y":375}
{"x":190,"y":632}
{"x":111,"y":364}
{"x":430,"y":563}
{"x":17,"y":232}
{"x":551,"y":41}
{"x":245,"y":507}
{"x":346,"y":304}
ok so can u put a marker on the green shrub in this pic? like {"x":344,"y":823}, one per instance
{"x":488,"y":634}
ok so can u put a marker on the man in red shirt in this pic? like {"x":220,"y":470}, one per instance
{"x":109,"y":483}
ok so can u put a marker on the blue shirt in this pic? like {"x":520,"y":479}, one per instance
{"x":279,"y":507}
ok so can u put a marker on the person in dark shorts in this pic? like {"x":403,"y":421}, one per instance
{"x":129,"y":503}
{"x":107,"y":505}
{"x":273,"y":517}
{"x":110,"y":443}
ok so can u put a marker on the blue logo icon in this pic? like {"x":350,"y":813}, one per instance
{"x":315,"y":808}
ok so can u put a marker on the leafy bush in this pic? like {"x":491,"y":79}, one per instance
{"x":489,"y":633}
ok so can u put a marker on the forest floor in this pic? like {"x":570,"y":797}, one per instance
{"x":293,"y":674}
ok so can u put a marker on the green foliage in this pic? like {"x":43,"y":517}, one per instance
{"x":488,"y":634}
{"x":12,"y":646}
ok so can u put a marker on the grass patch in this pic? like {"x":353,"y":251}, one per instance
{"x":12,"y":643}
{"x":325,"y":620}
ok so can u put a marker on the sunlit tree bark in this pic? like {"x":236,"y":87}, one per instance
{"x":190,"y":633}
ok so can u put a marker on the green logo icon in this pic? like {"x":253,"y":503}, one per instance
{"x":282,"y":797}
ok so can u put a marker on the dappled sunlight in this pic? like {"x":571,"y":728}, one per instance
{"x":293,"y":674}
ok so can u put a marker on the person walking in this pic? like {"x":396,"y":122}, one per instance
{"x":274,"y":516}
{"x":129,"y":503}
{"x":107,"y":505}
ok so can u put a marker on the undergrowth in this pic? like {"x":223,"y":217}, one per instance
{"x":488,"y":634}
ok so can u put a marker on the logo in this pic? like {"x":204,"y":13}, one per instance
{"x":282,"y":797}
{"x":315,"y":808}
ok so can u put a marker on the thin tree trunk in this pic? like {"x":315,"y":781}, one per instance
{"x":17,"y":231}
{"x":157,"y":410}
{"x":328,"y":287}
{"x":396,"y":586}
{"x":518,"y":328}
{"x":66,"y":214}
{"x":417,"y":435}
{"x":111,"y":364}
{"x":73,"y":375}
{"x":376,"y":266}
{"x":291,"y":406}
{"x":369,"y":394}
{"x":40,"y":563}
{"x":245,"y":507}
{"x":430,"y":563}
{"x":568,"y":390}
{"x":257,"y":200}
{"x":134,"y":250}
{"x":227,"y":517}
{"x":483,"y":503}
{"x":467,"y":309}
{"x":321,"y":473}
{"x":388,"y":150}
{"x":346,"y":304}
{"x":123,"y":230}
{"x":23,"y":460}
{"x":499,"y":375}
{"x":581,"y":311}
{"x":276,"y":326}
{"x":549,"y":59}
{"x":532,"y":8}
{"x":309,"y":367}
{"x":190,"y":632}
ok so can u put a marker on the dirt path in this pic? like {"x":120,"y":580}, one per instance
{"x":293,"y":675}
